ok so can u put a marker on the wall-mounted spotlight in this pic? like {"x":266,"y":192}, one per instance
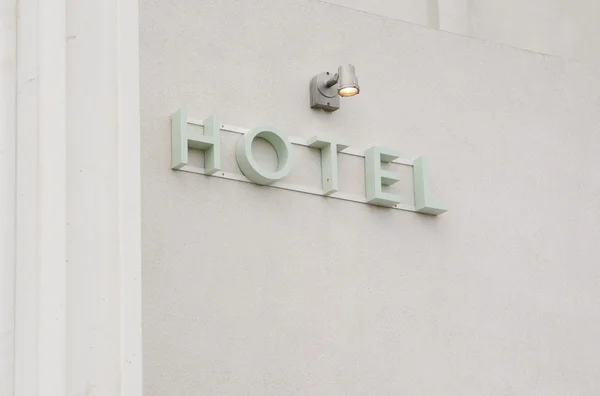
{"x":325,"y":88}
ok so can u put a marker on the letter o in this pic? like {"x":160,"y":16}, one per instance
{"x":248,"y":164}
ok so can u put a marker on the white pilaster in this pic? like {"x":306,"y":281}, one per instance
{"x":78,"y":217}
{"x":8,"y":78}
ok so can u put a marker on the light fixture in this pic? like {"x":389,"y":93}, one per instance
{"x":325,"y":88}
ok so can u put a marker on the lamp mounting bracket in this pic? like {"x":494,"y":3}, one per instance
{"x":324,"y":93}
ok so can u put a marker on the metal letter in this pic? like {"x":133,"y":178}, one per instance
{"x":251,"y":168}
{"x":182,"y":138}
{"x":375,"y":177}
{"x":422,"y":191}
{"x":329,"y":164}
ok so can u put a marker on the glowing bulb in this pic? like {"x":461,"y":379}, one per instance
{"x":348,"y":91}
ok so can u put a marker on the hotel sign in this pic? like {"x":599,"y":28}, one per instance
{"x":182,"y":138}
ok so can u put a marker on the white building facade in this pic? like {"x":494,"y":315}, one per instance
{"x":126,"y":269}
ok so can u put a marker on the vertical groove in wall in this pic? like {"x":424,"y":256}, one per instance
{"x":454,"y":16}
{"x":468,"y":12}
{"x":433,"y":14}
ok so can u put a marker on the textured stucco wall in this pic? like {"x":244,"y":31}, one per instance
{"x":258,"y":291}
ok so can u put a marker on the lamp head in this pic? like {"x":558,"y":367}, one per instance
{"x":347,"y":81}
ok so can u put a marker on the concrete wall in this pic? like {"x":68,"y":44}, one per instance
{"x":421,"y":12}
{"x":563,"y":28}
{"x":259,"y":291}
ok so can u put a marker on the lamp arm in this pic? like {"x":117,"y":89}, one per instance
{"x":332,"y":81}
